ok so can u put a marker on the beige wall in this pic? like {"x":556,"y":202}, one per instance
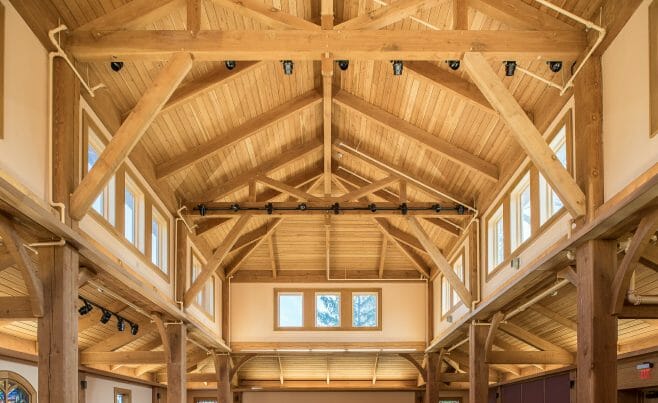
{"x":403,"y":314}
{"x":328,"y":397}
{"x":628,"y":150}
{"x":23,"y":152}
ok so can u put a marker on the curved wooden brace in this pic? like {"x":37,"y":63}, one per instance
{"x":416,"y":364}
{"x":245,"y":359}
{"x":162,"y":330}
{"x":497,"y":318}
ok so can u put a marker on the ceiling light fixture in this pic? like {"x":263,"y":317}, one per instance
{"x":116,"y":66}
{"x":343,"y":64}
{"x":86,"y":308}
{"x":555,"y":66}
{"x":287,"y":67}
{"x":107,"y":315}
{"x":121,"y":324}
{"x":230,"y":64}
{"x":398,"y":66}
{"x":510,"y":68}
{"x":453,"y":64}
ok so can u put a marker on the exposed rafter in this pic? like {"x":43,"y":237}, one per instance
{"x":387,"y":15}
{"x":133,"y":15}
{"x":267,"y":15}
{"x":519,"y":14}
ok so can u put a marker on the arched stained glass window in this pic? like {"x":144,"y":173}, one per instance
{"x":15,"y":389}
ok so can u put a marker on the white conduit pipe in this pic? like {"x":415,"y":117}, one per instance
{"x":637,"y":299}
{"x":51,"y":58}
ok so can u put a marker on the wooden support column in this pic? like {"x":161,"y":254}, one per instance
{"x":478,"y":368}
{"x":57,"y":330}
{"x":176,"y":363}
{"x":432,"y":379}
{"x":588,"y":95}
{"x":597,"y":328}
{"x":223,"y":371}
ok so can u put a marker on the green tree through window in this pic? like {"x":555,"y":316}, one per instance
{"x":327,"y":310}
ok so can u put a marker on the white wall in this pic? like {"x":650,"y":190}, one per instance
{"x":100,"y":390}
{"x":23,"y":151}
{"x":328,"y":397}
{"x":627,"y":149}
{"x":403,"y":314}
{"x":28,"y":371}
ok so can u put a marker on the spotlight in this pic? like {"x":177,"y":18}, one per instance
{"x":372,"y":207}
{"x":230,"y":64}
{"x":287,"y":67}
{"x":107,"y":315}
{"x":116,"y":66}
{"x":343,"y":64}
{"x":510,"y":68}
{"x":555,"y":66}
{"x":235,"y":207}
{"x":397,"y":67}
{"x":121,"y":324}
{"x":453,"y":64}
{"x":303,"y":206}
{"x":134,"y":328}
{"x":86,"y":308}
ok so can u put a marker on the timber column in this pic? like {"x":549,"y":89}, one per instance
{"x":478,"y":368}
{"x":177,"y":365}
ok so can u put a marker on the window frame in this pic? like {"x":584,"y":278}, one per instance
{"x":123,"y":392}
{"x":378,"y":308}
{"x":454,"y":302}
{"x":315,"y":308}
{"x":516,"y":211}
{"x":139,"y":219}
{"x":19,"y":379}
{"x":99,"y":142}
{"x":163,"y":239}
{"x":308,"y":308}
{"x":497,"y":216}
{"x":203,"y":294}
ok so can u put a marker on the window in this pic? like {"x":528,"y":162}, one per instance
{"x":104,"y":204}
{"x":327,"y":309}
{"x":291,"y":309}
{"x":122,"y":395}
{"x":15,"y":389}
{"x":449,"y":296}
{"x":205,"y":299}
{"x":365,"y":309}
{"x":496,"y":237}
{"x":521,"y":212}
{"x":133,"y":214}
{"x":204,"y":400}
{"x":458,"y":267}
{"x":549,"y":202}
{"x":159,"y":240}
{"x":446,"y":305}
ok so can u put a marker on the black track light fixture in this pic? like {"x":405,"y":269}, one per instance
{"x":398,"y":66}
{"x":116,"y":66}
{"x":555,"y":66}
{"x":86,"y":308}
{"x":510,"y":68}
{"x":287,"y":67}
{"x":134,"y":328}
{"x":107,"y":315}
{"x":121,"y":324}
{"x":230,"y":64}
{"x":343,"y":64}
{"x":453,"y":64}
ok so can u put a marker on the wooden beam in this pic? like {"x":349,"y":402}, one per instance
{"x":236,"y":263}
{"x":529,"y":338}
{"x":491,"y":336}
{"x":638,"y":312}
{"x":313,"y":44}
{"x":273,"y":260}
{"x":327,"y":14}
{"x":440,"y":261}
{"x":554,"y":316}
{"x":177,"y":363}
{"x":460,"y":15}
{"x":327,"y":246}
{"x":284,"y":188}
{"x":530,"y":357}
{"x":596,"y":379}
{"x":519,"y":15}
{"x":251,"y":127}
{"x":653,"y":68}
{"x":327,"y":96}
{"x":191,"y":90}
{"x":162,"y":332}
{"x":526,"y":134}
{"x":123,"y":358}
{"x":16,"y":308}
{"x":387,"y":15}
{"x":418,"y":262}
{"x":478,"y":368}
{"x":416,"y":364}
{"x":132,"y":15}
{"x":57,"y":329}
{"x":280,"y":209}
{"x":208,"y":224}
{"x":223,"y":378}
{"x":420,"y":136}
{"x":570,"y":274}
{"x":401,"y":236}
{"x":120,"y":339}
{"x":241,"y":180}
{"x":217,"y":259}
{"x":193,"y":10}
{"x":28,"y":269}
{"x":267,"y":15}
{"x":368,"y":189}
{"x":6,"y":260}
{"x":382,"y":256}
{"x":129,"y":134}
{"x":641,"y":238}
{"x":453,"y":83}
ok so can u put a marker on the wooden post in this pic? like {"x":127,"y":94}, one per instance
{"x":432,"y":382}
{"x":478,"y":368}
{"x":588,"y":125}
{"x":176,"y":366}
{"x":596,"y":379}
{"x":57,"y":330}
{"x":223,"y":371}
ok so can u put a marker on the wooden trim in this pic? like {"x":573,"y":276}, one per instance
{"x":653,"y":67}
{"x":192,"y":255}
{"x":308,"y":309}
{"x":454,"y":306}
